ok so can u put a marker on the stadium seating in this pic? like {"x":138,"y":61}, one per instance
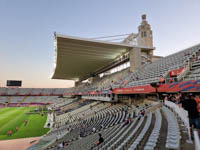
{"x":25,"y":91}
{"x":153,"y":138}
{"x":152,"y":72}
{"x":148,"y":74}
{"x":194,"y":73}
{"x":173,"y":133}
{"x":32,"y":91}
{"x":12,"y":91}
{"x":30,"y":99}
{"x":73,"y":119}
{"x":3,"y":99}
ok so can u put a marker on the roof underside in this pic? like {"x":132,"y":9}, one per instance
{"x":78,"y":58}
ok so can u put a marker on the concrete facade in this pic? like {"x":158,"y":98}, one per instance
{"x":135,"y":59}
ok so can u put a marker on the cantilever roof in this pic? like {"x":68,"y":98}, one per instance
{"x":76,"y":58}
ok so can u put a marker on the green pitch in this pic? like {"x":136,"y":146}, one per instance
{"x":10,"y":118}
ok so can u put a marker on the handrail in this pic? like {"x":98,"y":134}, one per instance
{"x":143,"y":82}
{"x":196,"y":140}
{"x":183,"y":115}
{"x":102,"y":98}
{"x":184,"y":72}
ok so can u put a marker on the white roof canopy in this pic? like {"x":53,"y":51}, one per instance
{"x":77,"y":58}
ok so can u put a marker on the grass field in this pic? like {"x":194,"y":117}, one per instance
{"x":10,"y":118}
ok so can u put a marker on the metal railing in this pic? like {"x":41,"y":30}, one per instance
{"x":182,"y":114}
{"x":192,"y":77}
{"x":184,"y":73}
{"x":101,"y":98}
{"x":143,"y":82}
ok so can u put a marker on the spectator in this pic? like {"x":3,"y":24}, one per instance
{"x":177,"y":98}
{"x":25,"y":122}
{"x":181,"y":98}
{"x":93,"y":129}
{"x":172,"y":98}
{"x":165,"y":99}
{"x":101,"y":140}
{"x":171,"y":80}
{"x":162,"y":79}
{"x":82,"y":132}
{"x":198,"y":102}
{"x":9,"y":132}
{"x":126,"y":109}
{"x":129,"y":120}
{"x":57,"y":137}
{"x":63,"y":143}
{"x":134,"y":114}
{"x":190,"y":105}
{"x":60,"y":145}
{"x":126,"y":122}
{"x":143,"y":112}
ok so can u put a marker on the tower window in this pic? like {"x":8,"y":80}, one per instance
{"x":145,"y":34}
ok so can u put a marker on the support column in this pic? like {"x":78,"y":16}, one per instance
{"x":135,"y":58}
{"x":77,"y":83}
{"x":129,"y":101}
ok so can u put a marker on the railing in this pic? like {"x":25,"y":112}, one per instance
{"x":101,"y":98}
{"x":166,"y":74}
{"x":196,"y":63}
{"x":196,"y":140}
{"x":182,"y":114}
{"x":171,"y":80}
{"x":185,"y":72}
{"x":43,"y":147}
{"x":143,"y":82}
{"x":179,"y":77}
{"x":193,"y":77}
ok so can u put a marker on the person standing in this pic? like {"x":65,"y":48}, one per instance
{"x":189,"y":104}
{"x":101,"y":140}
{"x":9,"y":132}
{"x":197,"y":99}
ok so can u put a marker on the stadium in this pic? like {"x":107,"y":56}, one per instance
{"x":124,"y":98}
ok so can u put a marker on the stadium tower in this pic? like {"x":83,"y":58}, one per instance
{"x":145,"y":37}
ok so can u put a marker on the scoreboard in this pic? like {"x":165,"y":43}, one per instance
{"x":14,"y":83}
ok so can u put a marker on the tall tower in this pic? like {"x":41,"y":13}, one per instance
{"x":145,"y":37}
{"x":143,"y":54}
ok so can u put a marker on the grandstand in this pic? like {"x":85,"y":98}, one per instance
{"x":113,"y":87}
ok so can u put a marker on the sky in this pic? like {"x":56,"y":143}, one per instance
{"x":27,"y":27}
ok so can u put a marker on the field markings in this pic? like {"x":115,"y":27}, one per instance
{"x":7,"y":117}
{"x":3,"y":110}
{"x":8,"y":112}
{"x":12,"y":119}
{"x":34,"y":128}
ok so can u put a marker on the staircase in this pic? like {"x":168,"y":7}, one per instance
{"x":193,"y":72}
